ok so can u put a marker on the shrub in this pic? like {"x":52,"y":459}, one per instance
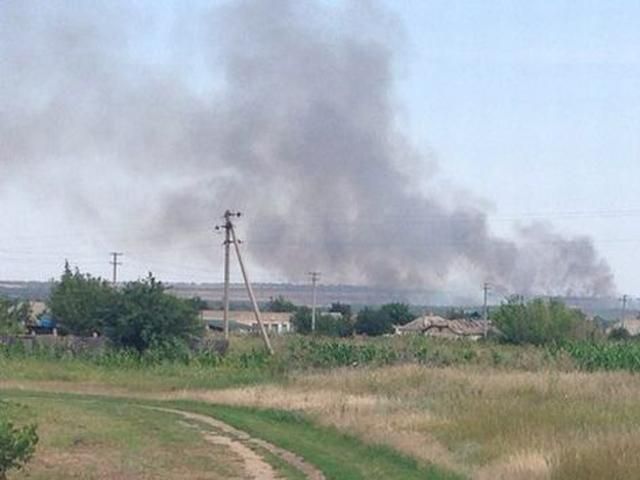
{"x":17,"y":445}
{"x":619,"y":333}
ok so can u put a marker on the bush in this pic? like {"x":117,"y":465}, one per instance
{"x":540,"y":322}
{"x":619,"y":333}
{"x":144,"y":315}
{"x":17,"y":445}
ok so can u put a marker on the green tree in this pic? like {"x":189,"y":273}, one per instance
{"x":281,"y":305}
{"x":17,"y":445}
{"x":399,"y":313}
{"x":145,"y":315}
{"x":301,"y":320}
{"x":81,"y":302}
{"x":342,"y":308}
{"x":14,"y":315}
{"x":374,"y":322}
{"x":540,"y":321}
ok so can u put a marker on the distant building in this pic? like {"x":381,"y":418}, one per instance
{"x":436,"y":326}
{"x":245,"y":320}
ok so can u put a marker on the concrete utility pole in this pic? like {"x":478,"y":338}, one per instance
{"x":227,"y":241}
{"x":485,"y":308}
{"x":114,"y":262}
{"x":315,"y":276}
{"x":230,"y":237}
{"x":624,"y":300}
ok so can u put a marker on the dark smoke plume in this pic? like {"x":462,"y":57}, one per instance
{"x":282,"y":109}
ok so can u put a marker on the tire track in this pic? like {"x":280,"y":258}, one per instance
{"x":240,"y":442}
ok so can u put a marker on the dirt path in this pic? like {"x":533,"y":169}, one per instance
{"x":240,"y":442}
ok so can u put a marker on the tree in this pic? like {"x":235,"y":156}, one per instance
{"x":14,"y":315}
{"x":540,"y":321}
{"x":17,"y":446}
{"x":145,"y":315}
{"x":81,"y":302}
{"x":281,"y":305}
{"x":374,"y":322}
{"x":342,"y":308}
{"x":301,"y":320}
{"x":398,"y":312}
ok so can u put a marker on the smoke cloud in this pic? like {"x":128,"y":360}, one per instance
{"x":282,"y":109}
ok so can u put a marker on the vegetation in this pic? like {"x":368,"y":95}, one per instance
{"x":281,"y":305}
{"x":340,"y":457}
{"x":350,"y":404}
{"x":332,"y":324}
{"x":139,"y":316}
{"x":144,"y":315}
{"x":14,"y":315}
{"x":374,"y":322}
{"x":103,"y":439}
{"x":541,"y":322}
{"x":81,"y":302}
{"x":111,"y":434}
{"x":17,"y":444}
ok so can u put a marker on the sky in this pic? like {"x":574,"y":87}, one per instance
{"x":535,"y":107}
{"x":531,"y":109}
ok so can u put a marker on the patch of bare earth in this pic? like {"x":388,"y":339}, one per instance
{"x":240,"y":443}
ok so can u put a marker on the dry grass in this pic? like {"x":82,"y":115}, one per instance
{"x":104,"y":441}
{"x":489,"y":424}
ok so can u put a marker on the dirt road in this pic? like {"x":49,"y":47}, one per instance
{"x":248,"y":448}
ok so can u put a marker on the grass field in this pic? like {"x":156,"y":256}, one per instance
{"x":97,"y":437}
{"x":498,"y":413}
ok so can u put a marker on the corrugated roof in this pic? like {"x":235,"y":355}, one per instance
{"x":460,"y":326}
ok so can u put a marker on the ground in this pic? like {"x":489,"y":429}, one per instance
{"x":406,"y":420}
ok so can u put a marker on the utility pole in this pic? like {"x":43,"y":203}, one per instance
{"x":115,"y":263}
{"x":624,"y":300}
{"x":230,"y":237}
{"x":315,"y":276}
{"x":227,"y":242}
{"x":485,"y":308}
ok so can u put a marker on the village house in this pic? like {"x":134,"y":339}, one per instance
{"x":436,"y":326}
